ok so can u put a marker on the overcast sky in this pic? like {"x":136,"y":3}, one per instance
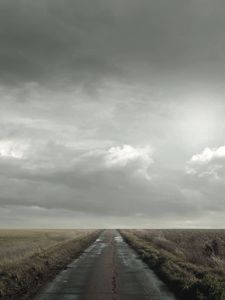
{"x":112,"y":113}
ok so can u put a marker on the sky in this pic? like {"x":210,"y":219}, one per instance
{"x":112,"y":113}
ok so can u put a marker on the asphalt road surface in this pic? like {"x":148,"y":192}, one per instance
{"x":108,"y":270}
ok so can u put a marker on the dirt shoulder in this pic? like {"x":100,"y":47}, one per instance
{"x":22,"y":279}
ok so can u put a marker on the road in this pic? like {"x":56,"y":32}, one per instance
{"x":108,"y":270}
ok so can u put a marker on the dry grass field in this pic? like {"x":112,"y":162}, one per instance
{"x":191,"y":262}
{"x":30,"y":257}
{"x":16,"y":245}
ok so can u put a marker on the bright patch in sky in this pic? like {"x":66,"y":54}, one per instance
{"x":208,"y":155}
{"x":126,"y":154}
{"x":11,"y":149}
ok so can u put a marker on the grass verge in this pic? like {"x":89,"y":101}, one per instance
{"x":188,"y":281}
{"x":22,"y":278}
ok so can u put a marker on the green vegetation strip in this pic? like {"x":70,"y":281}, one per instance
{"x":186,"y":280}
{"x":20,"y":280}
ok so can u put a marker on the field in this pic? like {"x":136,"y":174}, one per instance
{"x":191,"y":262}
{"x":30,"y":257}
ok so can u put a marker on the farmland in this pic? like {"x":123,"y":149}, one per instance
{"x":191,"y":262}
{"x":30,"y":257}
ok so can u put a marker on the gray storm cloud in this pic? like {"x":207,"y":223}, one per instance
{"x":112,"y":113}
{"x":90,"y":40}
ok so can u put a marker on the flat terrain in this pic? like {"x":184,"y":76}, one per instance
{"x":191,"y":262}
{"x":199,"y":246}
{"x":30,"y":257}
{"x":112,"y":265}
{"x":108,"y":270}
{"x":16,"y":245}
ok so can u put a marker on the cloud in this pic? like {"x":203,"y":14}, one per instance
{"x":50,"y":155}
{"x":107,"y":181}
{"x":50,"y":41}
{"x":13,"y":149}
{"x":140,"y":158}
{"x":85,"y":42}
{"x":121,"y":156}
{"x":89,"y":88}
{"x":208,"y":155}
{"x":204,"y":181}
{"x":209,"y":163}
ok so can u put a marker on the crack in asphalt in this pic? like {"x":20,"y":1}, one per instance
{"x":114,"y":275}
